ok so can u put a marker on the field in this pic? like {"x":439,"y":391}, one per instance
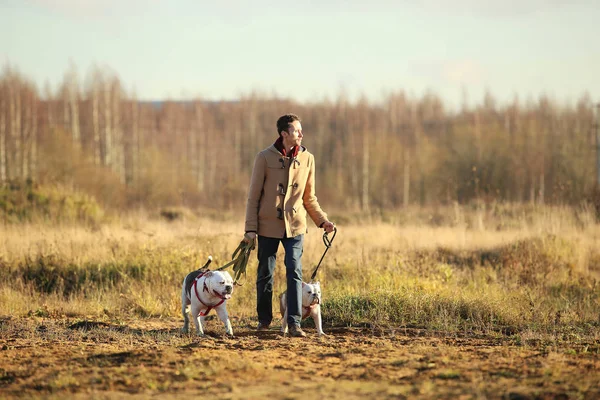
{"x":496,"y":302}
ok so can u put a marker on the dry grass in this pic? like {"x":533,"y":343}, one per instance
{"x":531,"y":271}
{"x":447,"y":303}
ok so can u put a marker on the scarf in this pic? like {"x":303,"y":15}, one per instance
{"x":279,"y":146}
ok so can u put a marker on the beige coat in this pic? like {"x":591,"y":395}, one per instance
{"x":286,"y":187}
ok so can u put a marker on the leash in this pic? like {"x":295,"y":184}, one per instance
{"x":241,"y":255}
{"x":327,"y":243}
{"x":239,"y":261}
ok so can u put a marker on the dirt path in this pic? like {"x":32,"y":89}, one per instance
{"x":52,"y":358}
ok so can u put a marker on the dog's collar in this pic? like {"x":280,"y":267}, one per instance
{"x":205,"y":288}
{"x":307,"y":310}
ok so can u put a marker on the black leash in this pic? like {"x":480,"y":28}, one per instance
{"x":327,"y":243}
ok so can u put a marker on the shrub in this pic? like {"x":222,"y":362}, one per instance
{"x":29,"y":202}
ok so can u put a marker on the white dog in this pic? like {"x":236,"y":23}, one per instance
{"x":204,"y":290}
{"x":311,"y":306}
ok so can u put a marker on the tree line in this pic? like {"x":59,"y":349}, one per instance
{"x":95,"y":136}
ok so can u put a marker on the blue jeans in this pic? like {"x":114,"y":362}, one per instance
{"x":267,"y":255}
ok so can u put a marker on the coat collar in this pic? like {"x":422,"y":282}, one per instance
{"x":279,"y":146}
{"x":274,"y":149}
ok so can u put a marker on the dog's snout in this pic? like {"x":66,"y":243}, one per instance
{"x":228,"y":288}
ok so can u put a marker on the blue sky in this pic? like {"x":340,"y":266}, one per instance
{"x":309,"y":50}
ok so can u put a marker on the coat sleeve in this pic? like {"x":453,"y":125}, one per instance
{"x":310,"y":199}
{"x":254,"y":193}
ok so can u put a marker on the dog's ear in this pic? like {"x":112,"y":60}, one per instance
{"x":208,"y":274}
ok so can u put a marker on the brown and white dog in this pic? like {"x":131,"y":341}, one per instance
{"x":204,"y":290}
{"x":311,"y":306}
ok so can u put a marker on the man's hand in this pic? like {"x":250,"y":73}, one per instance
{"x":249,"y":237}
{"x":328,"y":226}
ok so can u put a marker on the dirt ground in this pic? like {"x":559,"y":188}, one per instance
{"x":74,"y":358}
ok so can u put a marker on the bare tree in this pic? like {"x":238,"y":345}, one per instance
{"x":365,"y":128}
{"x":400,"y":119}
{"x":418,"y":139}
{"x":26,"y":132}
{"x":33,"y":147}
{"x":14,"y":93}
{"x":118,"y":157}
{"x":71,"y":101}
{"x":95,"y":104}
{"x":132,"y":169}
{"x":406,"y":178}
{"x":340,"y":134}
{"x":200,"y":146}
{"x":3,"y":142}
{"x":108,"y":132}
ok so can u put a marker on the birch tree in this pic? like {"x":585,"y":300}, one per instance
{"x":71,"y":100}
{"x":3,"y":142}
{"x":133,"y":153}
{"x":94,"y":94}
{"x":118,"y":156}
{"x":14,"y":94}
{"x":26,"y":132}
{"x":199,"y":146}
{"x":108,"y":132}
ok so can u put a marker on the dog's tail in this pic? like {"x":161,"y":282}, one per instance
{"x":207,"y":262}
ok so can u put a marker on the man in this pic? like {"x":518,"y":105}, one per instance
{"x":282,"y":192}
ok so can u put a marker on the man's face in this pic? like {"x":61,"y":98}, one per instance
{"x":293,"y":136}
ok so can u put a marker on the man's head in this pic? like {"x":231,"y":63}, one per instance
{"x":290,"y":130}
{"x":284,"y":123}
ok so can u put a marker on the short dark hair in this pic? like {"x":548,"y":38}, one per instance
{"x":283,"y":123}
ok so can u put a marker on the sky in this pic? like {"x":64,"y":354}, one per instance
{"x":311,"y":50}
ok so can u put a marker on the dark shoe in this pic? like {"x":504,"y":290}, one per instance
{"x":262,"y":327}
{"x":296,"y":331}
